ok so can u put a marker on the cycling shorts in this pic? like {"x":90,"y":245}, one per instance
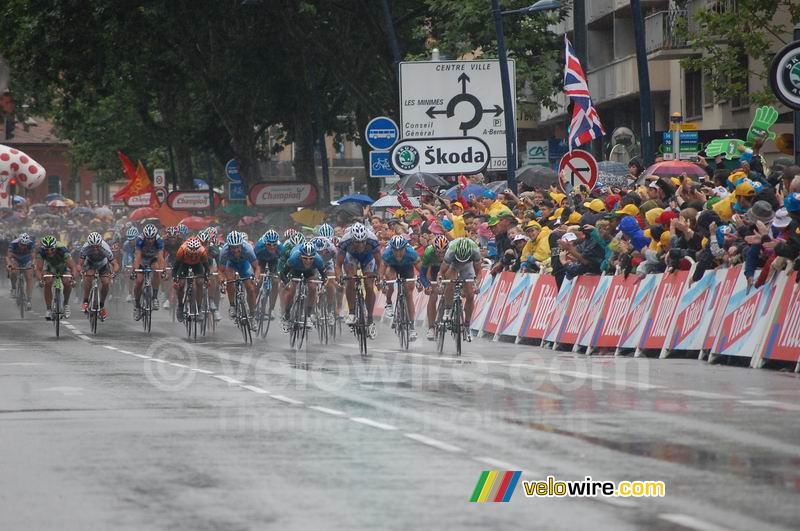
{"x":367,"y":264}
{"x":403,"y":271}
{"x":244,"y":269}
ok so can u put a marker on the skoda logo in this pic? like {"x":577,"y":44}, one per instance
{"x":406,"y":157}
{"x":785,"y":75}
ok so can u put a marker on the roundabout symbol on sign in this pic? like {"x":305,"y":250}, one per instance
{"x":478,"y":109}
{"x":577,"y":168}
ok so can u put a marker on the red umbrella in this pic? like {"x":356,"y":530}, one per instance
{"x":674,"y":168}
{"x":143,"y":213}
{"x":197,"y":222}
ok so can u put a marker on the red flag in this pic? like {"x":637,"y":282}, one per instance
{"x":402,"y":198}
{"x":462,"y":180}
{"x":127,"y":166}
{"x":138,"y":185}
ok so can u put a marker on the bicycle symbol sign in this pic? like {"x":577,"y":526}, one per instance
{"x":379,"y":165}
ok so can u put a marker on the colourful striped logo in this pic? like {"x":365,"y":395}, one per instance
{"x":494,"y":486}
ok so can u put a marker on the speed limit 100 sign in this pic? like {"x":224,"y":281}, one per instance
{"x":576,"y":168}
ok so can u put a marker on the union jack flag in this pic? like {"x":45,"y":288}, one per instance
{"x":585,"y":124}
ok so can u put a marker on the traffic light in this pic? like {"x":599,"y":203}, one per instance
{"x":12,"y":186}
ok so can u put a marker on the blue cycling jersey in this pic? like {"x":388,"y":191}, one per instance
{"x":19,"y":250}
{"x":266,"y":255}
{"x":247,"y":255}
{"x":149,"y":249}
{"x":295,"y":263}
{"x":410,"y":257}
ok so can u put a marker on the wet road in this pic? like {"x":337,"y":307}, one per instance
{"x":121,"y":430}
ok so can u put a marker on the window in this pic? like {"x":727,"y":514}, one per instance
{"x":53,"y":184}
{"x":708,"y":90}
{"x":739,"y":99}
{"x":693,"y":89}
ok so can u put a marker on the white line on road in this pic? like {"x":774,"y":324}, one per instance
{"x":700,"y":394}
{"x":125,"y":352}
{"x":181,"y":365}
{"x":109,"y":347}
{"x":286,"y":399}
{"x":374,"y":424}
{"x":771,"y":403}
{"x":255,"y":389}
{"x":433,"y":442}
{"x":203,"y":371}
{"x":157,"y":360}
{"x":142,"y":356}
{"x":328,"y":411}
{"x":690,"y":521}
{"x":227,"y":379}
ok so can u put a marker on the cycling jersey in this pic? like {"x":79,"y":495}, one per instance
{"x":466,"y":270}
{"x":21,"y":254}
{"x":242,"y":263}
{"x":295,"y":265}
{"x":56,"y":262}
{"x":410,"y":257}
{"x":128,"y":252}
{"x":149,"y":250}
{"x":96,"y":257}
{"x":365,"y":257}
{"x":186,"y":260}
{"x":431,"y":262}
{"x":266,"y":255}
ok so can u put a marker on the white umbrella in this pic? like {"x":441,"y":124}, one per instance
{"x":391,"y":201}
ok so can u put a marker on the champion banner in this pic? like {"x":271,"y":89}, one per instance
{"x":663,"y":310}
{"x":611,"y":324}
{"x":539,"y":307}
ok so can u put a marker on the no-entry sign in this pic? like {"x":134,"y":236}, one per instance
{"x":576,"y":168}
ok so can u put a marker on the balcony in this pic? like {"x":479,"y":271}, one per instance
{"x":662,"y":41}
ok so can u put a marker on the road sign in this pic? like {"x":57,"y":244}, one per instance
{"x":381,"y":133}
{"x":443,"y":156}
{"x":379,"y":165}
{"x":237,"y":191}
{"x":440,"y":99}
{"x":287,"y":194}
{"x":232,"y":171}
{"x":576,"y":168}
{"x":159,"y":178}
{"x":191,"y":200}
{"x":161,"y":195}
{"x":784,"y":75}
{"x":689,"y":145}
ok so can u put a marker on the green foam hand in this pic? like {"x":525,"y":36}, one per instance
{"x":759,"y":130}
{"x":729,"y":147}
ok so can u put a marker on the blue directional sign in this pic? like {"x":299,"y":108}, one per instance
{"x":237,"y":191}
{"x":382,"y":133}
{"x":232,"y":171}
{"x":379,"y":165}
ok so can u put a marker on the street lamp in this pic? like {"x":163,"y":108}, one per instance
{"x":511,"y":135}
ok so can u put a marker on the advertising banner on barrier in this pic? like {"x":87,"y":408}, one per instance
{"x":593,"y":313}
{"x":420,"y":306}
{"x":662,"y":312}
{"x":560,"y":308}
{"x":579,"y":303}
{"x":504,"y":282}
{"x":694,"y":315}
{"x":727,"y":280}
{"x":783,"y":336}
{"x":611,"y":321}
{"x":514,"y":310}
{"x":745,"y":321}
{"x":540,"y":306}
{"x":482,"y":300}
{"x":635,"y":319}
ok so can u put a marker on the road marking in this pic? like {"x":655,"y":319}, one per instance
{"x":690,"y":521}
{"x":433,"y":442}
{"x":637,"y":385}
{"x":334,"y":412}
{"x":771,"y":403}
{"x":374,"y":424}
{"x":179,"y":365}
{"x":255,"y":389}
{"x":700,"y":394}
{"x":227,"y":379}
{"x":142,"y":356}
{"x":126,"y":351}
{"x":157,"y":360}
{"x":286,"y":399}
{"x":109,"y":347}
{"x":203,"y":371}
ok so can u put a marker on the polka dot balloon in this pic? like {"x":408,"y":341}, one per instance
{"x":15,"y":163}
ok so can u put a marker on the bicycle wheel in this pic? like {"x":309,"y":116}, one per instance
{"x":147,"y":308}
{"x":401,"y":321}
{"x":261,"y":311}
{"x":56,"y":313}
{"x":204,"y":313}
{"x":294,"y":333}
{"x":440,"y":326}
{"x":187,"y":308}
{"x":21,"y":294}
{"x":361,"y":323}
{"x":94,"y":309}
{"x":244,"y":322}
{"x":457,"y":333}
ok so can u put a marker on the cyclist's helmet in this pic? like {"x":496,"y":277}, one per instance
{"x":463,"y":250}
{"x":271,"y":237}
{"x":234,"y":239}
{"x":296,"y":239}
{"x":397,"y":243}
{"x":325,"y":230}
{"x":183,"y":230}
{"x":212,"y":234}
{"x":359,"y":232}
{"x":25,"y":239}
{"x":172,"y":231}
{"x":319,"y":243}
{"x":150,"y":231}
{"x":95,"y":238}
{"x":440,"y":243}
{"x":308,"y":250}
{"x":203,"y":236}
{"x":288,"y":233}
{"x":133,"y":233}
{"x":194,"y":244}
{"x":49,"y":242}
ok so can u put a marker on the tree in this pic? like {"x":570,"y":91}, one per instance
{"x":736,"y":41}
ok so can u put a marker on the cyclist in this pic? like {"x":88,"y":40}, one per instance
{"x":128,"y":254}
{"x":400,"y":261}
{"x":96,"y":258}
{"x":428,"y":273}
{"x":54,"y":258}
{"x":213,"y":259}
{"x":303,"y":261}
{"x":268,"y":250}
{"x":20,"y":256}
{"x":191,"y":256}
{"x":327,"y":251}
{"x":172,"y":242}
{"x":359,"y":246}
{"x":237,"y":256}
{"x":149,"y":255}
{"x":462,"y":260}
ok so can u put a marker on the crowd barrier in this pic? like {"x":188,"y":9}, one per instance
{"x":663,"y":313}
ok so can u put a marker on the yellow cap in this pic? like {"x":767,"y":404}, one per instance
{"x":574,"y":218}
{"x":595,"y":205}
{"x":556,"y":214}
{"x":745,"y":189}
{"x":652,"y":215}
{"x":557,"y":198}
{"x":532,"y":225}
{"x":628,"y":210}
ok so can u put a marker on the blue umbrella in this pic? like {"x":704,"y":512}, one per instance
{"x":356,"y":198}
{"x":53,"y":197}
{"x":200,"y":184}
{"x":476,"y":189}
{"x":18,"y":200}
